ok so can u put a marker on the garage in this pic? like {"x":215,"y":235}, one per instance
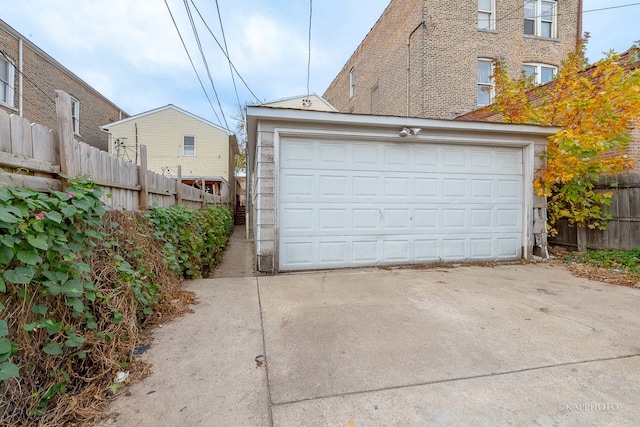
{"x":334,"y":190}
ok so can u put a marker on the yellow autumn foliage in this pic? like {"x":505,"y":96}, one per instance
{"x":595,"y":107}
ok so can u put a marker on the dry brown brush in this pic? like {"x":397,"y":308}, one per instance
{"x":70,"y":339}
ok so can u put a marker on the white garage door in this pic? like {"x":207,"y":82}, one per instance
{"x":350,"y":204}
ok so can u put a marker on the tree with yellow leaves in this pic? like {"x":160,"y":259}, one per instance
{"x":595,"y":107}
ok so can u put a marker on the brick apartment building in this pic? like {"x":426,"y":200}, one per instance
{"x":433,"y":59}
{"x":28,"y":79}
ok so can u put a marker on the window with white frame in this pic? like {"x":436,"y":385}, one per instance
{"x":485,"y":81}
{"x":486,"y":15}
{"x":540,"y":18}
{"x":539,"y":73}
{"x":189,"y":145}
{"x":6,"y":81}
{"x":351,"y":82}
{"x":75,"y":115}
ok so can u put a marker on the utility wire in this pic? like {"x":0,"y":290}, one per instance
{"x":226,"y":51}
{"x":225,"y":54}
{"x":309,"y":60}
{"x":611,"y":7}
{"x":192,"y":64}
{"x":26,"y":77}
{"x":204,"y":59}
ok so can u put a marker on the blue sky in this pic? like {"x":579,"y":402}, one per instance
{"x":130,"y":50}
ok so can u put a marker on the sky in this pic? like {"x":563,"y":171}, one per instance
{"x":130,"y":51}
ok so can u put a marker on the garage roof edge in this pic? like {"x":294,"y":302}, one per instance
{"x":258,"y":112}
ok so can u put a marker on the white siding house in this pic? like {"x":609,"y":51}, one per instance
{"x":175,"y":137}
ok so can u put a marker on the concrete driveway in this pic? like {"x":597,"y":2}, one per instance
{"x":477,"y":346}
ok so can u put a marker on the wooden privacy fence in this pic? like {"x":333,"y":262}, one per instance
{"x":33,"y":156}
{"x":623,"y":230}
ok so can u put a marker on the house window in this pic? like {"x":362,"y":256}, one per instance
{"x":539,"y":73}
{"x":189,"y":146}
{"x":486,"y":15}
{"x":75,"y":115}
{"x":485,"y":81}
{"x":6,"y":81}
{"x":540,"y":18}
{"x":351,"y":83}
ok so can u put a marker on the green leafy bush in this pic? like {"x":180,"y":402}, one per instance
{"x":194,"y":239}
{"x":624,"y":260}
{"x":77,"y":283}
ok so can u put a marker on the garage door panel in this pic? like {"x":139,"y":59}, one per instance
{"x":333,"y":155}
{"x":335,"y":252}
{"x":345,"y":203}
{"x":388,"y":219}
{"x":381,"y":187}
{"x":398,"y":157}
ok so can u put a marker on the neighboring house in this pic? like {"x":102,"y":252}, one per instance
{"x":332,"y":190}
{"x":433,"y":58}
{"x":537,"y":94}
{"x":310,"y":102}
{"x":28,"y":79}
{"x":175,"y":137}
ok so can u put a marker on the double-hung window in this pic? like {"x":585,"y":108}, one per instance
{"x":189,"y":145}
{"x":6,"y":81}
{"x":485,"y":81}
{"x":75,"y":115}
{"x":352,"y":79}
{"x":540,"y":18}
{"x":539,"y":73}
{"x":486,"y":15}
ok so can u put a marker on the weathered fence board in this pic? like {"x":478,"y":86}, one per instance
{"x":34,"y":157}
{"x":623,"y":229}
{"x":5,"y":132}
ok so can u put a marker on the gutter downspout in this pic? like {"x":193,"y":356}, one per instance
{"x":422,"y":24}
{"x":20,"y":67}
{"x":579,"y":33}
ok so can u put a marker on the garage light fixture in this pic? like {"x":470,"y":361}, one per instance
{"x":409,"y":131}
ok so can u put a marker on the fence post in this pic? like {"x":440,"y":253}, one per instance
{"x":65,"y":134}
{"x":179,"y":186}
{"x":142,"y":172}
{"x":204,"y":195}
{"x":582,"y":238}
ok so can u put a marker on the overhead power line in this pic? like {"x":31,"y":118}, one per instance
{"x":192,"y":64}
{"x":226,"y":51}
{"x":309,"y":60}
{"x":204,"y":59}
{"x":27,"y":77}
{"x":225,"y":54}
{"x":612,"y":7}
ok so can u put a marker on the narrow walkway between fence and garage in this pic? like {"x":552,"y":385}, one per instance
{"x":513,"y":344}
{"x":237,"y":260}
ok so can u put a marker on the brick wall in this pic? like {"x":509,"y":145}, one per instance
{"x":443,"y":56}
{"x":42,"y":76}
